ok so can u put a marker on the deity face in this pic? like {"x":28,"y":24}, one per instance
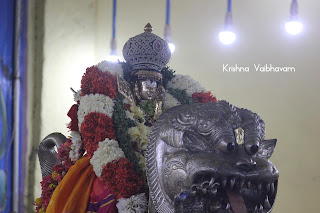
{"x":148,"y":89}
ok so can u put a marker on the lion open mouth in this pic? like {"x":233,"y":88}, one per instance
{"x":227,"y":195}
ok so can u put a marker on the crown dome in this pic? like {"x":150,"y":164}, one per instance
{"x":146,"y":51}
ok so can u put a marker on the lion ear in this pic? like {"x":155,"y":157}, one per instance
{"x":194,"y":141}
{"x":267,"y":148}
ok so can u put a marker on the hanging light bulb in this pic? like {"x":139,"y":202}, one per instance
{"x":227,"y":36}
{"x":167,"y":37}
{"x":172,"y":47}
{"x":167,"y":29}
{"x":113,"y":57}
{"x":294,"y":25}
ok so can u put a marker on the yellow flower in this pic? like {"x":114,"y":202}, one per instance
{"x":145,"y":132}
{"x":52,"y":185}
{"x":134,"y":133}
{"x":41,"y":210}
{"x":142,"y":161}
{"x":38,"y":201}
{"x":54,"y":175}
{"x":137,"y":112}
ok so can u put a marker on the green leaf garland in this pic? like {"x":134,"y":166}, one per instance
{"x":181,"y":96}
{"x":122,"y":124}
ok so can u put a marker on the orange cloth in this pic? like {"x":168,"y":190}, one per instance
{"x":72,"y":194}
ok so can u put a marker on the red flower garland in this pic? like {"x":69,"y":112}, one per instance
{"x":63,"y":155}
{"x":94,"y":81}
{"x":73,"y":114}
{"x":96,"y":128}
{"x":121,"y":179}
{"x":203,"y":97}
{"x":50,"y":182}
{"x":48,"y":185}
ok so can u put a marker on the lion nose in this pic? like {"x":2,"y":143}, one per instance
{"x":246,"y":164}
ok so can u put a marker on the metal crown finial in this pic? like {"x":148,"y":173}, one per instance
{"x":148,"y":28}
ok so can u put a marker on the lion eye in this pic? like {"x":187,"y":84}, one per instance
{"x":252,"y":146}
{"x":254,"y":149}
{"x":230,"y":147}
{"x":226,"y":147}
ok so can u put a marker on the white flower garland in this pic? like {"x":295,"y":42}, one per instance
{"x":77,"y":96}
{"x":75,"y":146}
{"x":134,"y":204}
{"x":113,"y":68}
{"x":185,"y":82}
{"x":94,"y":103}
{"x":107,"y":152}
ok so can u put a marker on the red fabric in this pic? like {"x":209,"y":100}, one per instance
{"x":98,"y":193}
{"x":73,"y":114}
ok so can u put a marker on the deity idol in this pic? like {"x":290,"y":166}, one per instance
{"x":101,"y":167}
{"x":200,"y":156}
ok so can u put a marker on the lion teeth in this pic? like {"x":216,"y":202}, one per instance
{"x":232,"y":182}
{"x":272,"y":188}
{"x":223,"y":183}
{"x":249,"y":184}
{"x":267,"y":203}
{"x":242,"y":183}
{"x":258,"y":210}
{"x":210,"y":189}
{"x":261,"y":209}
{"x":213,"y":191}
{"x":204,"y":190}
{"x":216,"y":206}
{"x":267,"y":187}
{"x":228,"y":206}
{"x":212,"y":181}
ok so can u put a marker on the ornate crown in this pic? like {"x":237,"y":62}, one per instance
{"x":146,"y":51}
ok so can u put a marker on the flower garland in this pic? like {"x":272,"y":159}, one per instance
{"x":114,"y":133}
{"x":95,"y":128}
{"x":203,"y":97}
{"x":170,"y":101}
{"x":122,"y":123}
{"x":186,"y":90}
{"x":50,"y":182}
{"x":95,"y":81}
{"x":136,"y":203}
{"x":121,"y":179}
{"x":94,"y":103}
{"x":76,"y":146}
{"x":107,"y":152}
{"x":186,"y":83}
